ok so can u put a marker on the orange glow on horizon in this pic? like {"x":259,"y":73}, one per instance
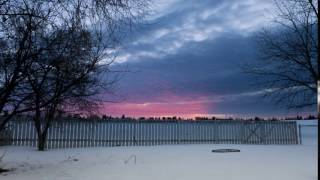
{"x":183,"y":110}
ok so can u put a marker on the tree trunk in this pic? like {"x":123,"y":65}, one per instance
{"x":42,"y":140}
{"x":37,"y":121}
{"x":318,"y":99}
{"x":318,"y":60}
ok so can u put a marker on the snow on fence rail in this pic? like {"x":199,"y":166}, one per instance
{"x":79,"y":133}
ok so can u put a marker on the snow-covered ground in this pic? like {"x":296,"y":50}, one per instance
{"x":166,"y":162}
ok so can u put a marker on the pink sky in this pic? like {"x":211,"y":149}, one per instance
{"x":155,"y":109}
{"x":186,"y":107}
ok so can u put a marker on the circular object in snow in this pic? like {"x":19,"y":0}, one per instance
{"x":225,"y":150}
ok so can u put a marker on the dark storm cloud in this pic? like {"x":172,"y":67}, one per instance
{"x":210,"y":67}
{"x":193,"y":51}
{"x":207,"y":71}
{"x":190,"y":21}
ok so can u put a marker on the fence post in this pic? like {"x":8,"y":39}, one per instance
{"x":300,"y":137}
{"x":242,"y":131}
{"x":178,"y":132}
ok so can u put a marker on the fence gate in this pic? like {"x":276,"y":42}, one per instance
{"x":253,"y":133}
{"x":274,"y":132}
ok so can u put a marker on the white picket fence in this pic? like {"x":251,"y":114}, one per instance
{"x":80,"y":133}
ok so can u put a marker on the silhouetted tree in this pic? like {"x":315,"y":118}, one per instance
{"x":288,"y":67}
{"x":62,"y":76}
{"x":55,"y":55}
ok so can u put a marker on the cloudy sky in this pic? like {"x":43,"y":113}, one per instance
{"x":186,"y":61}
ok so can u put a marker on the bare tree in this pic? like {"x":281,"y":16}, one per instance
{"x":16,"y":52}
{"x":53,"y":53}
{"x":66,"y":73}
{"x":288,"y":66}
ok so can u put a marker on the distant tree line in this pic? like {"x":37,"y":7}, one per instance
{"x":175,"y":118}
